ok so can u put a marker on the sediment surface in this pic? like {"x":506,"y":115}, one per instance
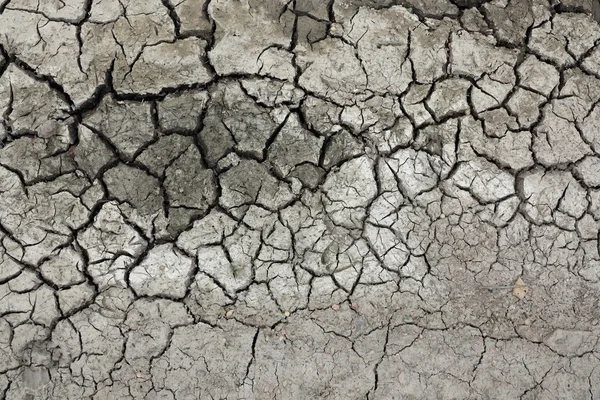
{"x":268,"y":199}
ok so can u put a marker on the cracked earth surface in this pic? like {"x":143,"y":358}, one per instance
{"x":299,"y":199}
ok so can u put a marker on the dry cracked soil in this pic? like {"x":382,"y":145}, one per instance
{"x":299,"y":199}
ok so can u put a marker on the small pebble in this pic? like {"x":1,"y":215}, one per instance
{"x":287,"y":313}
{"x":335,"y":307}
{"x":162,"y":267}
{"x":229,"y":314}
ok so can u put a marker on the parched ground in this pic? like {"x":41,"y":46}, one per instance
{"x":272,"y":199}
